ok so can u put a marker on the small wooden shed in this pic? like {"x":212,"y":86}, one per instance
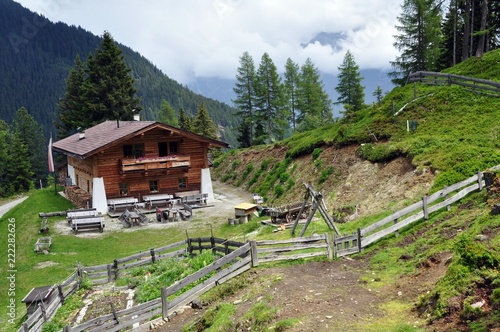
{"x":245,"y":209}
{"x":38,"y":295}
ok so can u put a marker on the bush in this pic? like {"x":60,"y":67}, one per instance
{"x":278,"y":190}
{"x":378,"y":152}
{"x":325,"y":174}
{"x":316,"y":152}
{"x":475,"y":254}
{"x":284,"y":177}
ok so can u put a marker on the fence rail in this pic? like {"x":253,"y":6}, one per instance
{"x":475,"y":84}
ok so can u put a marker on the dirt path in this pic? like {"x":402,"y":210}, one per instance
{"x":7,"y":206}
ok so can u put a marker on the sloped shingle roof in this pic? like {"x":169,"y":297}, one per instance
{"x":108,"y":134}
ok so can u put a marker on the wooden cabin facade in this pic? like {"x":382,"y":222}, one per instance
{"x":136,"y":158}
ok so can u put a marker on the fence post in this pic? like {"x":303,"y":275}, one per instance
{"x":153,"y":256}
{"x":426,"y":213}
{"x":110,"y":272}
{"x":115,"y":268}
{"x":448,"y":207}
{"x":212,"y":244}
{"x":66,"y":328}
{"x":396,"y":232}
{"x":480,"y":180}
{"x":360,"y":247}
{"x":254,"y":253}
{"x":60,"y":293}
{"x":25,"y":327}
{"x":164,"y":303}
{"x":328,"y":246}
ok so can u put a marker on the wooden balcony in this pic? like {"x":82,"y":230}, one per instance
{"x":154,"y":163}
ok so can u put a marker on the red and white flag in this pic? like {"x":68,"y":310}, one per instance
{"x":50,"y":158}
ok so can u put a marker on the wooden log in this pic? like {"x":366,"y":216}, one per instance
{"x":267,"y":259}
{"x":51,"y":214}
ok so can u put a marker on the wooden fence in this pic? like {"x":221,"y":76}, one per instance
{"x":227,"y":267}
{"x":238,"y":257}
{"x":475,"y":84}
{"x":105,"y":273}
{"x":47,"y":310}
{"x":303,"y":247}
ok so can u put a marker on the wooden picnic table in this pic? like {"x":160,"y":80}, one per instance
{"x":122,"y":202}
{"x":157,"y":198}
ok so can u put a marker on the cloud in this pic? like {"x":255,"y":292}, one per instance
{"x":191,"y":38}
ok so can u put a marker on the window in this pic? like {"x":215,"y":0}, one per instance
{"x":166,"y":148}
{"x":153,"y":186}
{"x":123,"y":189}
{"x":133,"y":150}
{"x":182,"y":183}
{"x":173,"y":147}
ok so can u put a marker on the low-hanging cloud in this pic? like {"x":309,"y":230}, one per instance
{"x":189,"y":38}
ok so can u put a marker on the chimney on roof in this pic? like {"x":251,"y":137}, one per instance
{"x":81,"y":135}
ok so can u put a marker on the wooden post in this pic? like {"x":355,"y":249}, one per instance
{"x":396,"y":232}
{"x":426,"y":213}
{"x":360,"y":246}
{"x":328,"y":246}
{"x":25,"y":327}
{"x":115,"y":268}
{"x":311,"y":215}
{"x":153,"y":255}
{"x":255,"y":254}
{"x":60,"y":293}
{"x":113,"y":310}
{"x":199,"y":245}
{"x":212,"y":244}
{"x":480,"y":180}
{"x":67,"y":328}
{"x":164,"y":303}
{"x":44,"y":310}
{"x":226,"y":248}
{"x":306,"y":197}
{"x":110,"y":272}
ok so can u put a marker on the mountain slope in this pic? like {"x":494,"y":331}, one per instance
{"x":37,"y":55}
{"x":378,"y":163}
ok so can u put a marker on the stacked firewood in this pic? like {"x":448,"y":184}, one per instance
{"x":78,"y":196}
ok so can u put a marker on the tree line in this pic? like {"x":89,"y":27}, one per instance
{"x":271,"y":108}
{"x":432,"y":38}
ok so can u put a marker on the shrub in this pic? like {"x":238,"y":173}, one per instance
{"x":378,"y":152}
{"x":318,"y":163}
{"x":316,"y":152}
{"x":475,"y":254}
{"x":265,"y":163}
{"x":284,"y":177}
{"x":325,"y":174}
{"x":278,"y":190}
{"x":235,"y":164}
{"x":247,"y":171}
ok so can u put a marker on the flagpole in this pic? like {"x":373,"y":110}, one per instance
{"x":51,"y":163}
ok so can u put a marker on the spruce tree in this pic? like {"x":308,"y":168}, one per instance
{"x":271,"y":114}
{"x":185,"y":121}
{"x":70,"y":109}
{"x":31,"y":134}
{"x":109,"y":90}
{"x":351,"y":92}
{"x":292,"y":80}
{"x":419,"y":39}
{"x":167,"y":114}
{"x":19,"y":177}
{"x":4,"y":157}
{"x":313,"y":102}
{"x":203,"y":124}
{"x":378,"y":94}
{"x":245,"y":98}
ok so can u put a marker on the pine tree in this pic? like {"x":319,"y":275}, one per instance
{"x":351,"y":93}
{"x":245,"y":98}
{"x":31,"y":135}
{"x":292,"y":81}
{"x":419,"y":40}
{"x":203,"y":124}
{"x":185,"y":121}
{"x":109,"y":90}
{"x":19,"y":177}
{"x":4,"y":157}
{"x":167,"y":114}
{"x":378,"y":94}
{"x":271,"y":113}
{"x":70,"y":110}
{"x":313,"y":101}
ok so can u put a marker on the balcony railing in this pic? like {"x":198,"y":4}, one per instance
{"x":154,"y":163}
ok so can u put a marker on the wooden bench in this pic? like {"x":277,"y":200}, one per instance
{"x":158,"y":200}
{"x":195,"y":199}
{"x":89,"y":223}
{"x":80,"y":213}
{"x":187,"y":212}
{"x":122,"y":203}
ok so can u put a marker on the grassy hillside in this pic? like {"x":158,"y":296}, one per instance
{"x":453,"y":134}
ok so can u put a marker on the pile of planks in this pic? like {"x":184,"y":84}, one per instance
{"x":78,"y":196}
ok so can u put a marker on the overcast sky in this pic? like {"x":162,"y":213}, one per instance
{"x":206,"y":38}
